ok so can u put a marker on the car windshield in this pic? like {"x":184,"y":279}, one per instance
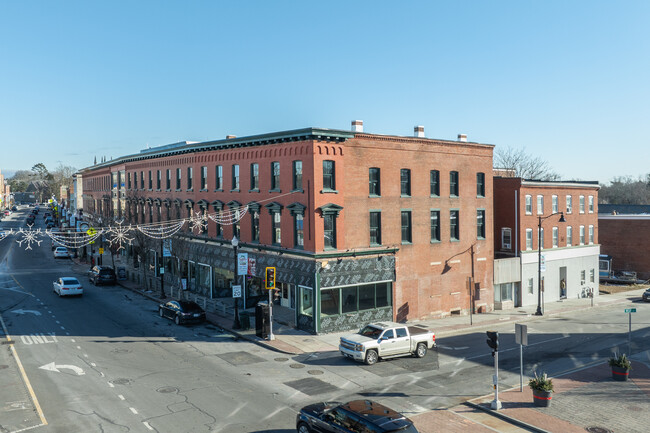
{"x":70,"y":281}
{"x":370,"y":331}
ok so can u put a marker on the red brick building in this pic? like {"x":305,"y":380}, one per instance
{"x":359,"y":226}
{"x":569,"y":248}
{"x":625,"y":237}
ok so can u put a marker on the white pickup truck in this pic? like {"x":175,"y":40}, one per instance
{"x":387,"y":340}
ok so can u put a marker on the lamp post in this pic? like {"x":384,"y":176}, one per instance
{"x":539,"y":258}
{"x":235,"y":243}
{"x":161,"y":270}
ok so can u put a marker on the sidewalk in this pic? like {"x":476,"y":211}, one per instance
{"x":584,"y":400}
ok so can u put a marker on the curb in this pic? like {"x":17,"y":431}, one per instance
{"x":506,"y":418}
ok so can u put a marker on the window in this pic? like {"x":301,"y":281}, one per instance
{"x":255,"y":226}
{"x":581,"y":203}
{"x":329,"y":230}
{"x":204,"y":178}
{"x":189,"y":178}
{"x":329,"y":179}
{"x":375,"y":228}
{"x":503,"y":292}
{"x":298,"y":231}
{"x":569,"y":204}
{"x":583,"y":276}
{"x":178,"y":179}
{"x":235,"y":178}
{"x":406,"y":226}
{"x":255,"y":177}
{"x":405,"y":182}
{"x":480,"y":184}
{"x":142,"y":180}
{"x":556,"y":234}
{"x":506,"y":238}
{"x":128,"y":179}
{"x":529,"y":205}
{"x":276,"y":228}
{"x":218,"y":178}
{"x":591,"y":235}
{"x":435,"y":226}
{"x":454,"y":231}
{"x":569,"y":236}
{"x":582,"y":235}
{"x":554,"y":205}
{"x":592,"y":275}
{"x":529,"y":239}
{"x":591,"y":204}
{"x":374,"y":184}
{"x":540,"y":205}
{"x":297,"y":175}
{"x":275,"y":175}
{"x":453,"y":183}
{"x":434,"y":183}
{"x":530,"y":286}
{"x":480,"y":224}
{"x":168,"y":179}
{"x":150,"y":183}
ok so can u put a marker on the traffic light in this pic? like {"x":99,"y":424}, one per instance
{"x":493,"y":341}
{"x":270,"y":278}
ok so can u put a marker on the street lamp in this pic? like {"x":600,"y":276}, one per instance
{"x":161,"y":270}
{"x":235,"y":243}
{"x":539,"y":258}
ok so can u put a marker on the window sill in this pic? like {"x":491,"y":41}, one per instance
{"x":298,"y":190}
{"x":435,"y":241}
{"x":168,"y":190}
{"x":434,"y":196}
{"x":178,"y":190}
{"x":275,"y":190}
{"x":218,"y":190}
{"x":189,"y":190}
{"x":234,"y":190}
{"x":328,"y":191}
{"x":407,"y":243}
{"x":373,"y":245}
{"x":254,"y":190}
{"x":480,"y":196}
{"x":454,"y":240}
{"x":329,"y":249}
{"x":203,"y":190}
{"x":405,"y":196}
{"x":453,"y":196}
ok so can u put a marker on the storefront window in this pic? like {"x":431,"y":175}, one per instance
{"x":306,"y":301}
{"x":330,"y":302}
{"x":367,"y":297}
{"x":222,"y":278}
{"x":349,"y":296}
{"x":383,"y":295}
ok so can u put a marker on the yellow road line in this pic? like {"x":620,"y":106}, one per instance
{"x":28,"y":385}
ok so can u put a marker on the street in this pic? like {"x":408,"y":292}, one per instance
{"x":106,"y":362}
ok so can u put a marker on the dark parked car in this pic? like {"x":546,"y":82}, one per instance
{"x":646,"y":295}
{"x":355,"y":416}
{"x":102,"y":275}
{"x":182,"y":312}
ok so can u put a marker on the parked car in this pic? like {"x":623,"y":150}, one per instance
{"x":7,"y":212}
{"x":182,"y":312}
{"x":3,"y":233}
{"x":67,"y":286}
{"x":646,"y":295}
{"x":387,"y":340}
{"x":49,"y":225}
{"x":355,"y":416}
{"x":102,"y":275}
{"x":61,"y":252}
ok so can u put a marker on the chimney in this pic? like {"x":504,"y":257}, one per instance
{"x":462,"y":137}
{"x":228,"y":137}
{"x":357,"y":125}
{"x":418,"y":131}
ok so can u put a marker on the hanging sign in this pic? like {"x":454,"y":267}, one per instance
{"x":242,"y":263}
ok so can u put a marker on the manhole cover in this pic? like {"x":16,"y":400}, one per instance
{"x":167,"y":390}
{"x":121,"y":381}
{"x":296,"y":365}
{"x":3,"y":366}
{"x":596,"y":429}
{"x":315,"y":372}
{"x":281,"y":359}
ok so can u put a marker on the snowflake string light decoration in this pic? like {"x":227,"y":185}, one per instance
{"x":119,"y":235}
{"x":73,"y":239}
{"x":230,"y":217}
{"x":197,"y":222}
{"x":30,"y":237}
{"x":161,"y":230}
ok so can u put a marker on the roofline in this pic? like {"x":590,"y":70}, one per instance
{"x":562,"y":183}
{"x":624,"y":216}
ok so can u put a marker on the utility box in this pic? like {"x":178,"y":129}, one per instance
{"x":262,"y":322}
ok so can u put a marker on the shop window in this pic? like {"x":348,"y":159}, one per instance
{"x":329,"y":299}
{"x":306,"y":301}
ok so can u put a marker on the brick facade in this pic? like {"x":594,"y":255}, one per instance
{"x":625,"y":237}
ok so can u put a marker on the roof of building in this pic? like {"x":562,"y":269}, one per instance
{"x":623,"y":209}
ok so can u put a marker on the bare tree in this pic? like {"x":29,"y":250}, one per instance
{"x":519,"y":163}
{"x":626,"y":190}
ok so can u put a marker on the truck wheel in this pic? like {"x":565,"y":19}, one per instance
{"x":421,"y":350}
{"x":371,"y":357}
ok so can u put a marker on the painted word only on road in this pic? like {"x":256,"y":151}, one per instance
{"x":39,"y":338}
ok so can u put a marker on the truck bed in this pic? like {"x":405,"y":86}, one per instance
{"x":417,"y":330}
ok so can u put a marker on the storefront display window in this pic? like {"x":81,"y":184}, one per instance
{"x":330,"y":302}
{"x":306,"y":301}
{"x":350,"y":299}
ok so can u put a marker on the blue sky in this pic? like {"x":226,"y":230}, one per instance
{"x":567,"y":81}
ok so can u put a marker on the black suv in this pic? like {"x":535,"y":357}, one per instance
{"x":359,"y":416}
{"x":102,"y":275}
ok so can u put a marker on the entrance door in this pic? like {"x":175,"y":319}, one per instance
{"x":563,"y":282}
{"x":517,"y":294}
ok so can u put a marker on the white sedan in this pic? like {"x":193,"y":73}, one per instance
{"x":68,"y":286}
{"x":61,"y":252}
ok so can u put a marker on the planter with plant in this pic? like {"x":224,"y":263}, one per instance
{"x":542,"y":388}
{"x":621,"y":367}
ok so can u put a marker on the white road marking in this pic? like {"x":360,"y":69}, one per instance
{"x":54,"y":367}
{"x":79,"y":347}
{"x":121,"y":397}
{"x":146,"y":424}
{"x":111,"y":385}
{"x":73,"y":340}
{"x":133,"y":410}
{"x":85,"y":355}
{"x":23,"y":312}
{"x":62,"y":328}
{"x":93,"y":364}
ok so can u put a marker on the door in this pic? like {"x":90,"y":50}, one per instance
{"x":402,"y":341}
{"x":563,"y":283}
{"x":388,"y":345}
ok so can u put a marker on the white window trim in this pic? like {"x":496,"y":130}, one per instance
{"x":540,"y":204}
{"x":528,"y":199}
{"x":531,"y":239}
{"x":504,"y":245}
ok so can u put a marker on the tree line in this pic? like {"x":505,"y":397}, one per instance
{"x":46,"y":183}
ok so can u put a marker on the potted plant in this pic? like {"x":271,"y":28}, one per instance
{"x":542,"y":388}
{"x":621,"y":367}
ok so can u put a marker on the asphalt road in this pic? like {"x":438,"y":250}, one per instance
{"x":105,"y":362}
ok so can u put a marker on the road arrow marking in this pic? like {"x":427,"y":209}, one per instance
{"x":52,"y":367}
{"x":21,"y":311}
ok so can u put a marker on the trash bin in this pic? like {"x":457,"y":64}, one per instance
{"x":262,"y":327}
{"x":245,"y":320}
